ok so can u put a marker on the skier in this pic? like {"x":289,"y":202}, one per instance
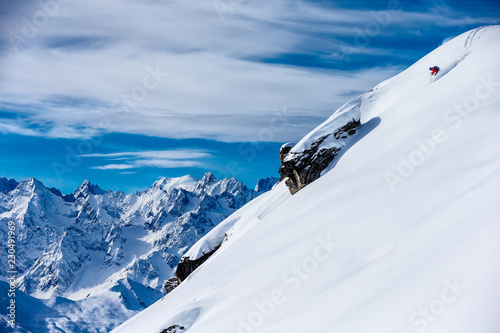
{"x":434,"y":70}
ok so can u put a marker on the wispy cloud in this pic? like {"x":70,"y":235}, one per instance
{"x":225,"y":78}
{"x":176,"y":158}
{"x":114,"y":167}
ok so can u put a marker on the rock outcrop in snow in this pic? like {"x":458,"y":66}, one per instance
{"x":187,"y":266}
{"x":301,"y":166}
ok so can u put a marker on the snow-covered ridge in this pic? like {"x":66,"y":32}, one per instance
{"x":319,"y":150}
{"x":221,"y":232}
{"x":110,"y":248}
{"x":400,"y":236}
{"x":351,"y":111}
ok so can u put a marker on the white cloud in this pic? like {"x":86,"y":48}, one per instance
{"x":175,"y":158}
{"x":67,"y":77}
{"x":174,"y":154}
{"x":114,"y":167}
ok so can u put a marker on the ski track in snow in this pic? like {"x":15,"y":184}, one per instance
{"x":473,"y":36}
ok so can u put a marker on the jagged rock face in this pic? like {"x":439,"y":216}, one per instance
{"x":266,"y":184}
{"x":187,"y":266}
{"x":304,"y":167}
{"x":171,"y":284}
{"x":7,"y":185}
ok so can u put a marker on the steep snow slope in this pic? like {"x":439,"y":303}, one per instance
{"x":400,"y":236}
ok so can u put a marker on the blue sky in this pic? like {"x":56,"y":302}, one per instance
{"x":125,"y":92}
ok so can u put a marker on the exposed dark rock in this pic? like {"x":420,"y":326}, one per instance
{"x":171,"y":284}
{"x":67,"y":198}
{"x":87,"y":188}
{"x":284,"y":150}
{"x":173,"y":329}
{"x":265,"y":184}
{"x":302,"y":168}
{"x":187,"y":266}
{"x":7,"y":185}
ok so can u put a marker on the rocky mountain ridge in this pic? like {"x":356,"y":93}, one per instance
{"x":97,"y":242}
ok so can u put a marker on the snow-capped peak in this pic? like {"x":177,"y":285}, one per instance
{"x":30,"y":186}
{"x":208,"y":179}
{"x":108,"y":251}
{"x":87,"y":188}
{"x":167,"y":184}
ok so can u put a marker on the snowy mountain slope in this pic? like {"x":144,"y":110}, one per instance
{"x":400,"y":236}
{"x":109,"y":251}
{"x":29,"y":310}
{"x":60,"y":314}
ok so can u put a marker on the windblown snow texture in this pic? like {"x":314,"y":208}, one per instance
{"x":401,"y":235}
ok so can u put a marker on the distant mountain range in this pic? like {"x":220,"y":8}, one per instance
{"x":96,"y":251}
